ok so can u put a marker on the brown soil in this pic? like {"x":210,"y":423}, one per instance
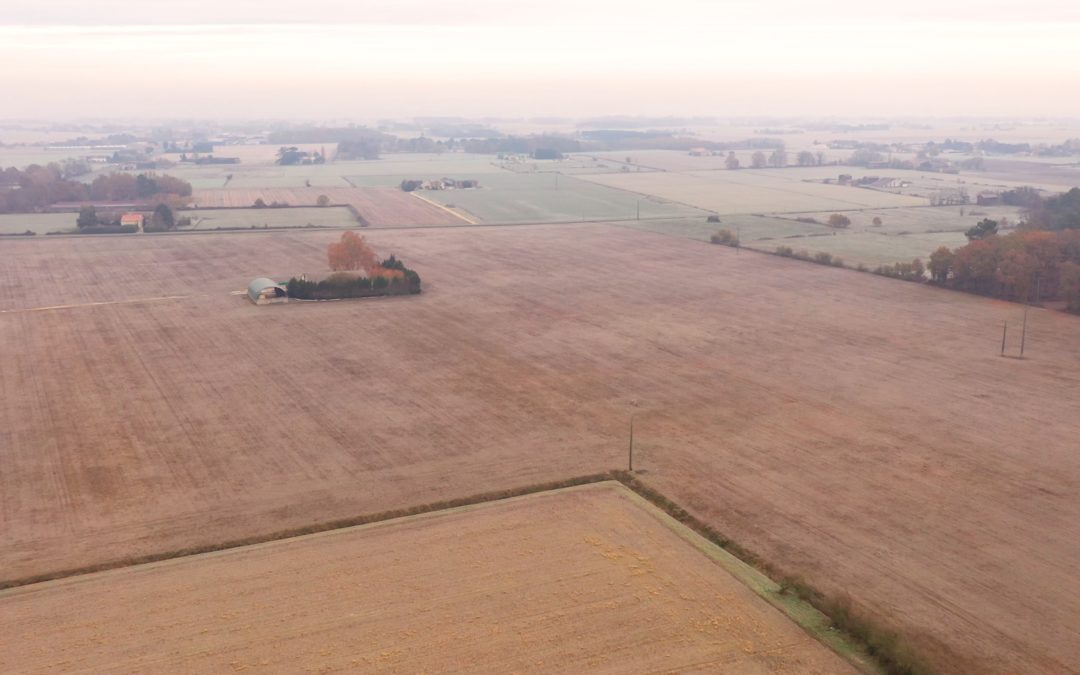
{"x":573,"y":581}
{"x":856,"y":430}
{"x":379,"y":206}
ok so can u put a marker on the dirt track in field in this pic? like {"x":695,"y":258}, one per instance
{"x":379,"y":206}
{"x":856,"y":430}
{"x":574,"y":581}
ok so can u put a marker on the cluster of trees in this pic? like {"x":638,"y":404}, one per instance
{"x":778,"y":158}
{"x":260,"y":203}
{"x":725,"y":237}
{"x":37,"y":187}
{"x":365,"y":148}
{"x":164,"y":220}
{"x":989,"y":145}
{"x":344,"y":285}
{"x":352,"y":254}
{"x":292,"y":156}
{"x":982,"y":229}
{"x":839,"y":221}
{"x":1059,"y":212}
{"x":1022,"y":265}
{"x":1067,"y":149}
{"x":125,"y":186}
{"x":1039,"y":261}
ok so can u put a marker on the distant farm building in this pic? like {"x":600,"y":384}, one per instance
{"x":135,"y":219}
{"x":263,"y":291}
{"x":889,"y":183}
{"x":988,"y":199}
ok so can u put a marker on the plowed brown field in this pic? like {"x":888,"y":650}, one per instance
{"x":860,"y":431}
{"x":379,"y":206}
{"x":584,"y":580}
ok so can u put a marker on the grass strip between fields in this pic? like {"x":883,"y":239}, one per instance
{"x":869,"y":647}
{"x":862,"y":640}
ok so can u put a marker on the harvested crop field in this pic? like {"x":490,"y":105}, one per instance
{"x":378,"y":206}
{"x":585,"y":579}
{"x":312,"y":216}
{"x":859,"y":431}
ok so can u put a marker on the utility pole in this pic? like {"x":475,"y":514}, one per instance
{"x":1004,"y":327}
{"x":1023,"y":334}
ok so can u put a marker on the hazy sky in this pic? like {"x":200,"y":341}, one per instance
{"x":333,"y":59}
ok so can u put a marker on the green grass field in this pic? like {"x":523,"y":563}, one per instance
{"x":869,"y":248}
{"x":41,"y":223}
{"x":388,"y":171}
{"x":545,"y":197}
{"x":752,"y":230}
{"x":751,"y":191}
{"x":921,"y":219}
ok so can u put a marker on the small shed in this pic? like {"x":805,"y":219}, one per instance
{"x":263,"y":291}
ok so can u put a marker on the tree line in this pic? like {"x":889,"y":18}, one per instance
{"x":1039,"y":261}
{"x":36,"y":187}
{"x":1022,"y":265}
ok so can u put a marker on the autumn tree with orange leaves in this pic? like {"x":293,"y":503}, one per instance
{"x":351,"y":253}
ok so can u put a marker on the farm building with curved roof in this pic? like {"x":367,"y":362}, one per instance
{"x":263,"y":291}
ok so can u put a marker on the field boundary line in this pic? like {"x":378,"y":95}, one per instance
{"x":445,"y":208}
{"x":314,"y":528}
{"x":814,"y":622}
{"x":95,"y":304}
{"x":863,"y":641}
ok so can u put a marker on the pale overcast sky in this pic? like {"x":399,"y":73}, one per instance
{"x":328,"y":59}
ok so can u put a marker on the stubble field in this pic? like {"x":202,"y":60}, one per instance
{"x":316,"y":216}
{"x":379,"y":206}
{"x":586,"y":579}
{"x":858,"y":431}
